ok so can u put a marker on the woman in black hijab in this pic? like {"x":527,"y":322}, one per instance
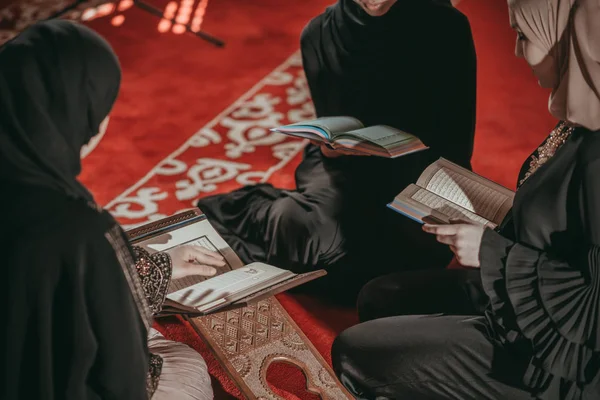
{"x":77,"y":309}
{"x":413,"y":68}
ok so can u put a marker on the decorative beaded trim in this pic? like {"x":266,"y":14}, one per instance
{"x":546,"y":151}
{"x":156,"y":364}
{"x":117,"y":241}
{"x":155,"y":272}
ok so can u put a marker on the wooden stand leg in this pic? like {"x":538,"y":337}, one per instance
{"x":248,"y":340}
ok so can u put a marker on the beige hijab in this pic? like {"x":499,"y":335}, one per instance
{"x":569,"y":30}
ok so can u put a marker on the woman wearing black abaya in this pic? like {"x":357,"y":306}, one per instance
{"x":413,"y":68}
{"x":77,"y":309}
{"x":539,"y":273}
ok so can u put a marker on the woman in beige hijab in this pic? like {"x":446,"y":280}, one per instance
{"x":538,"y":273}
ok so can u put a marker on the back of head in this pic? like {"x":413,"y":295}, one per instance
{"x":58,"y":81}
{"x":568,"y":31}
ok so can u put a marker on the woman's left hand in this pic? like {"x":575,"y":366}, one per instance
{"x":464,"y":239}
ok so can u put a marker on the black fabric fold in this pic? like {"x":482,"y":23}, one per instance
{"x":546,"y":297}
{"x":549,"y":297}
{"x":492,"y":256}
{"x":557,"y":364}
{"x":74,"y":326}
{"x":413,"y":69}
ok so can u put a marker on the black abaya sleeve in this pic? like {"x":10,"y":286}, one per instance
{"x":120,"y":369}
{"x":311,"y":62}
{"x":456,"y":81}
{"x":553,"y":301}
{"x":75,"y":317}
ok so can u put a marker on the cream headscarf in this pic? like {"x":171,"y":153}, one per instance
{"x":568,"y":30}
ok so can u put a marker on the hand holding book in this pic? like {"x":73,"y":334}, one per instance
{"x":348,"y":136}
{"x":463,"y":237}
{"x":446,"y":191}
{"x":456,"y":205}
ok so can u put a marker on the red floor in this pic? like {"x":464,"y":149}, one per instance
{"x":173,"y":85}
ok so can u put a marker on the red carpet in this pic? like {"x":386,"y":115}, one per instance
{"x":193,"y":120}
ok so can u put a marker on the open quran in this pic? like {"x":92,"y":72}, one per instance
{"x":446,"y":191}
{"x":252,"y":333}
{"x":350,"y":134}
{"x":234,"y":285}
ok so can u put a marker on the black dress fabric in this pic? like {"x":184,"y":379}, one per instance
{"x":75,"y":314}
{"x":544,"y":284}
{"x":538,"y":335}
{"x":413,"y":68}
{"x":456,"y":291}
{"x":72,"y":328}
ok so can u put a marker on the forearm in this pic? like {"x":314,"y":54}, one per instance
{"x":493,"y":252}
{"x":155,"y":272}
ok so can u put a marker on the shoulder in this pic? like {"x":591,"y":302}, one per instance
{"x":589,"y":149}
{"x":71,"y":237}
{"x":311,"y":33}
{"x":448,"y":18}
{"x":450,"y":35}
{"x":95,"y":244}
{"x":81,"y":231}
{"x":60,"y":218}
{"x":88,"y":222}
{"x":446,"y":9}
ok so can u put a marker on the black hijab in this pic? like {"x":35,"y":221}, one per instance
{"x":58,"y":81}
{"x":355,"y":34}
{"x":73,"y":327}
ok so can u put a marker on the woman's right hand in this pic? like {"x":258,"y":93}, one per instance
{"x":463,"y":237}
{"x":188,"y":260}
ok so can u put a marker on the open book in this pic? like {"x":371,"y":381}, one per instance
{"x":446,"y":191}
{"x":235,"y":284}
{"x":350,"y":134}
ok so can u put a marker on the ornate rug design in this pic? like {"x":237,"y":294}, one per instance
{"x":248,"y":152}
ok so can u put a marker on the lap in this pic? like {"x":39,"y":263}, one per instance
{"x":431,"y":291}
{"x":426,"y":357}
{"x":322,"y":224}
{"x":294,"y":230}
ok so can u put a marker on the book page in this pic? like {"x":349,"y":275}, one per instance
{"x":380,"y":140}
{"x":201,"y":234}
{"x":378,"y":135}
{"x":321,"y":128}
{"x":443,"y":206}
{"x":230,"y":286}
{"x":424,"y":206}
{"x":468,"y":190}
{"x":335,"y":125}
{"x":304,"y":132}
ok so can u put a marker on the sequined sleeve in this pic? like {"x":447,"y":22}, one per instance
{"x":154,"y":370}
{"x":155,"y":273}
